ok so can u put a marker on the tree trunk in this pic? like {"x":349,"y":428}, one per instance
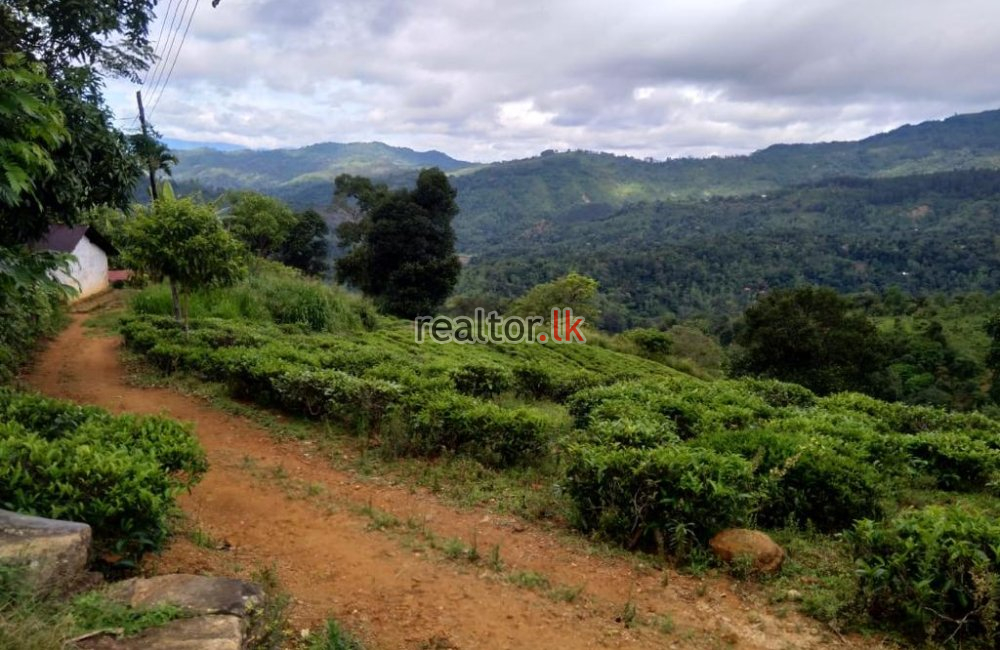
{"x":176,"y":299}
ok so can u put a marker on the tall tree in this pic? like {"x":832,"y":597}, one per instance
{"x":813,"y":337}
{"x":261,"y":222}
{"x":402,"y":251}
{"x":306,"y":246}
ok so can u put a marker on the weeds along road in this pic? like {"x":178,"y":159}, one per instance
{"x":386,"y":560}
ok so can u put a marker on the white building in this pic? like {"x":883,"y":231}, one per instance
{"x":89,"y":271}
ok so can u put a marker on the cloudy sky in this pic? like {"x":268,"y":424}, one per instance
{"x":491,"y":80}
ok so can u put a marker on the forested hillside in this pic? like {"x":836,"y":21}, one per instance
{"x":502,"y":200}
{"x":922,"y":233}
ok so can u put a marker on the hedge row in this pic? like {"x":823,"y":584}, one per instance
{"x":435,"y":419}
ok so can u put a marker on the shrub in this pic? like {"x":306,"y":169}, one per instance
{"x":272,"y":294}
{"x":118,"y":474}
{"x":635,"y":432}
{"x":955,"y":461}
{"x":807,"y":479}
{"x":650,"y":343}
{"x":538,"y":381}
{"x":651,"y":497}
{"x":933,"y":573}
{"x":497,"y":437}
{"x":780,"y":394}
{"x":482,"y":379}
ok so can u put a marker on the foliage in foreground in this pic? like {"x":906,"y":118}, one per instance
{"x":118,"y":474}
{"x":30,"y":304}
{"x":652,"y":459}
{"x":271,"y":294}
{"x":935,"y":573}
{"x":184,"y":242}
{"x":28,"y":622}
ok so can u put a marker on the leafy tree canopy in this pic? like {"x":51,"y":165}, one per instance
{"x":575,"y":291}
{"x":306,"y":247}
{"x":261,"y":222}
{"x":184,"y":242}
{"x":77,"y":44}
{"x":402,"y":251}
{"x":810,"y":336}
{"x":32,"y":127}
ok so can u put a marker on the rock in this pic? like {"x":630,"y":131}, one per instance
{"x":213,"y":632}
{"x":54,"y":553}
{"x":193,"y":594}
{"x":763,"y":553}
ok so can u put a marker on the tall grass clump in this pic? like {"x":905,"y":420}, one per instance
{"x":271,"y":294}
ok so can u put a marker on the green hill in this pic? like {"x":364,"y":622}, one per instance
{"x":691,"y":236}
{"x":304,"y":177}
{"x":503,"y":200}
{"x":922,"y":233}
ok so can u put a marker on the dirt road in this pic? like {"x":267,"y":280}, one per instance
{"x":336,"y":561}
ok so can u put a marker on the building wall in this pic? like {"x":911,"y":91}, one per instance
{"x":90,"y":270}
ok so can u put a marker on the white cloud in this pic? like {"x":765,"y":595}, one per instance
{"x":495,"y":79}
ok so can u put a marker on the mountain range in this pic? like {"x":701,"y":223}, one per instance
{"x":528,"y":220}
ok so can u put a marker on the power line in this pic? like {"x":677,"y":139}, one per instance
{"x":178,"y":20}
{"x":159,"y":42}
{"x":176,"y":57}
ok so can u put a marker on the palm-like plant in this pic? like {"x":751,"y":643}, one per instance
{"x":153,"y":155}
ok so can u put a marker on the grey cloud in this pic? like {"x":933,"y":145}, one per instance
{"x":506,"y":78}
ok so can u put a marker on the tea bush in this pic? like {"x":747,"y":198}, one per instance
{"x":806,"y":479}
{"x":932,"y":573}
{"x":118,"y":474}
{"x":495,"y":436}
{"x":674,"y":495}
{"x":482,"y":380}
{"x":955,"y":461}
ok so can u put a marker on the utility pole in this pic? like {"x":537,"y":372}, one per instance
{"x":145,"y":135}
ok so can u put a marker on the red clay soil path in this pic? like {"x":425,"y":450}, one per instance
{"x":333,"y":563}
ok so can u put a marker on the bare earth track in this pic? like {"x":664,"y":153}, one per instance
{"x":333,"y":562}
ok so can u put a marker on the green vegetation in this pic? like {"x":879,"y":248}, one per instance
{"x":30,"y":623}
{"x":678,"y":259}
{"x":31,"y":304}
{"x":650,"y":458}
{"x":334,"y":637}
{"x":261,"y":222}
{"x":77,"y":45}
{"x":184,"y":242}
{"x":574,"y":291}
{"x":306,"y":248}
{"x":302,"y":177}
{"x":810,"y":336}
{"x":118,"y":474}
{"x":401,"y":252}
{"x":935,"y":572}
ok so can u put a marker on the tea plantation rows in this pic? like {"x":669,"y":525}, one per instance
{"x":653,"y":459}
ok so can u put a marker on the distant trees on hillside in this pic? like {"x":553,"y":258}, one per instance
{"x":269,"y":229}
